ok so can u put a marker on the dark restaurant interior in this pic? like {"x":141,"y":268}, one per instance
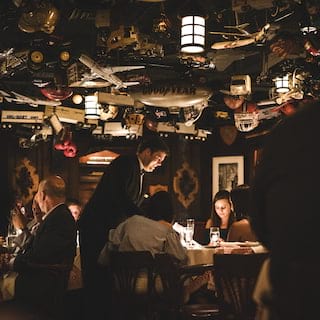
{"x":82,"y":82}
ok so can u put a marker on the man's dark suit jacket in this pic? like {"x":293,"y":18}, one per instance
{"x":116,"y":197}
{"x":53,"y":243}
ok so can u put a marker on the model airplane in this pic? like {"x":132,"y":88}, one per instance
{"x":107,"y":73}
{"x":242,"y":37}
{"x":21,"y":99}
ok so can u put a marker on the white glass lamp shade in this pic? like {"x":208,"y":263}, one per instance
{"x":282,"y":84}
{"x":92,"y":110}
{"x":192,"y":34}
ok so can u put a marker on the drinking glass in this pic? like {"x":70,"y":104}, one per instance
{"x":189,"y":231}
{"x":214,"y":236}
{"x":10,"y":240}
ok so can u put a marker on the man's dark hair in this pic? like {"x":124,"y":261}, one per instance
{"x":73,"y":201}
{"x":154,"y":143}
{"x":160,"y":206}
{"x":241,"y":200}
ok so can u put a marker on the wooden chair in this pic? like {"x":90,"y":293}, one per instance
{"x":46,"y":294}
{"x":132,"y":284}
{"x":171,"y":302}
{"x":235,"y":277}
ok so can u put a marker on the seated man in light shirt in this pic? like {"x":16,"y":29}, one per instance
{"x":153,"y":233}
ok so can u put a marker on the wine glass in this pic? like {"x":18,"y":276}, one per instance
{"x":214,"y":236}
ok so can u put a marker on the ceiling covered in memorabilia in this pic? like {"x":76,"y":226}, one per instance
{"x":116,"y":68}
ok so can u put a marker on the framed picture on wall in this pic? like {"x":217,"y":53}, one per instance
{"x":227,"y":173}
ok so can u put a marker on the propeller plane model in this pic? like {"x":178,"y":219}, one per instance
{"x":242,"y":37}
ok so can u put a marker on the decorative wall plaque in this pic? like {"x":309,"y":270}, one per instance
{"x":228,"y":134}
{"x":186,"y":184}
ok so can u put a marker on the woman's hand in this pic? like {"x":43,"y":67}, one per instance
{"x":18,"y":220}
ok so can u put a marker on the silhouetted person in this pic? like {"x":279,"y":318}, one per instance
{"x":286,"y":218}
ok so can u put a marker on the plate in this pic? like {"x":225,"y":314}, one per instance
{"x":249,"y":244}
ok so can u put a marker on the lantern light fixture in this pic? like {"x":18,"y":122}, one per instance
{"x":92,"y":107}
{"x":192,"y":34}
{"x":193,"y":27}
{"x":282,"y":84}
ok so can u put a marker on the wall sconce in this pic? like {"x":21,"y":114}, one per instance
{"x":192,"y":34}
{"x":92,"y":107}
{"x":282,"y":84}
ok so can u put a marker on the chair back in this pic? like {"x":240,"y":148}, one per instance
{"x":235,"y":277}
{"x":172,"y":298}
{"x":132,"y":283}
{"x":43,"y":286}
{"x":172,"y":285}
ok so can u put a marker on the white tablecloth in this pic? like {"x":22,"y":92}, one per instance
{"x":203,"y":254}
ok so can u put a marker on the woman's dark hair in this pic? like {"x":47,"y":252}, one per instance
{"x":221,"y":194}
{"x":160,"y":207}
{"x":241,"y":200}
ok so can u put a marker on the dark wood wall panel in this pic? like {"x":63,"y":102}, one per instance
{"x":81,"y":180}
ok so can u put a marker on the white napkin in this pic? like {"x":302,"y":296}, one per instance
{"x":178,"y":227}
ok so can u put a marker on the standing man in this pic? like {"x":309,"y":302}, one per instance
{"x":117,"y":196}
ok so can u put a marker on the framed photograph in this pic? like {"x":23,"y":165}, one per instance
{"x":227,"y":173}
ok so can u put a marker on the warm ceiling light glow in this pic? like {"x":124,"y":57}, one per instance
{"x":77,"y":98}
{"x":92,"y":107}
{"x":282,"y":84}
{"x":192,"y":34}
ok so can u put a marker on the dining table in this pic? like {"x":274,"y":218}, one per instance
{"x":204,"y":254}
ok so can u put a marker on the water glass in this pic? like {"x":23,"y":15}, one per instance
{"x":189,"y":232}
{"x":214,"y":236}
{"x":10,"y":241}
{"x":190,"y":223}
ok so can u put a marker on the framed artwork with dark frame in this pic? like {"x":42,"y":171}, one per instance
{"x":227,"y":173}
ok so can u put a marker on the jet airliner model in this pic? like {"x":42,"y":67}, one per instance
{"x":107,"y":73}
{"x":22,"y":99}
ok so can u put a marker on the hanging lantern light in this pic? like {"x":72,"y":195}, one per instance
{"x":92,"y":107}
{"x":282,"y":84}
{"x":193,"y":18}
{"x":192,"y":34}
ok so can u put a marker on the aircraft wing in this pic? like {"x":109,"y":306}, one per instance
{"x":90,"y":81}
{"x":123,"y":68}
{"x":21,"y":97}
{"x":4,"y":94}
{"x":33,"y":102}
{"x":232,"y":44}
{"x":131,"y":83}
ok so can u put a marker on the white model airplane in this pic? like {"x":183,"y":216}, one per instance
{"x":242,"y":37}
{"x":107,"y":73}
{"x":21,"y":99}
